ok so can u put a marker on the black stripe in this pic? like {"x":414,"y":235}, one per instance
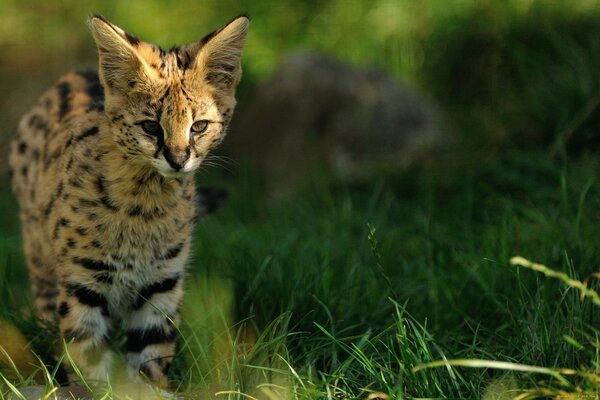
{"x":174,"y":251}
{"x":62,"y":222}
{"x":100,"y":186}
{"x":53,"y":199}
{"x":78,"y":335}
{"x":94,"y":89}
{"x":50,"y":158}
{"x":138,"y":340}
{"x":86,"y":296}
{"x":64,"y":92}
{"x":75,"y":335}
{"x":147,"y":292}
{"x":94,"y":265}
{"x":90,"y":132}
{"x":145,"y":370}
{"x":71,"y":140}
{"x":103,"y":277}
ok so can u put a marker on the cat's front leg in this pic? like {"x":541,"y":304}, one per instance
{"x":151,"y":328}
{"x":85,"y":327}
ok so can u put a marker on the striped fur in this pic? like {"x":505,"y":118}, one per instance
{"x":107,"y":207}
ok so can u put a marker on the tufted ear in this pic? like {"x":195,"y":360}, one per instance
{"x":217,"y":56}
{"x":120,"y":60}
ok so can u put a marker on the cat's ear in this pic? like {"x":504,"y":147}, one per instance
{"x":120,"y":60}
{"x":217,"y":56}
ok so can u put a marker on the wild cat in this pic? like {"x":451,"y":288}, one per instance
{"x":102,"y":167}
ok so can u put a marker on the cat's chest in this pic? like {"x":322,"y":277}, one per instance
{"x":130,"y":218}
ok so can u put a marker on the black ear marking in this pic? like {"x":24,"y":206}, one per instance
{"x":134,"y":41}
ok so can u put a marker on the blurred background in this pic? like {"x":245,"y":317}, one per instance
{"x":381,"y":149}
{"x":399,"y":80}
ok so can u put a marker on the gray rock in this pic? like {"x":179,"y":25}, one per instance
{"x":316,"y":111}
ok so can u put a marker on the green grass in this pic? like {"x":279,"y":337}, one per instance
{"x":351,"y":286}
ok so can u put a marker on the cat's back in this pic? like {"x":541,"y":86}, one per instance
{"x":47,"y":134}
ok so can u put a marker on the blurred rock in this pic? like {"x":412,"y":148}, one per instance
{"x":315,"y":112}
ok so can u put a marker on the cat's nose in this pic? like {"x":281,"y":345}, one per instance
{"x":177,"y":157}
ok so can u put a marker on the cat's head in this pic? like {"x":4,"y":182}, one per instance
{"x":168,"y":109}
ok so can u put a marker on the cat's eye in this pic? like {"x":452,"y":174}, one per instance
{"x":199,"y":126}
{"x":151,"y":128}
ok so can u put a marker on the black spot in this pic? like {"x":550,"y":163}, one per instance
{"x":22,"y":147}
{"x":63,"y":309}
{"x":87,"y":168}
{"x":71,"y":242}
{"x":134,"y":211}
{"x":36,"y":261}
{"x":107,"y":202}
{"x":81,"y":231}
{"x":174,"y":251}
{"x":24,"y":170}
{"x":75,"y":181}
{"x":147,"y":292}
{"x":132,"y":83}
{"x":64,"y":94}
{"x":37,"y":123}
{"x":138,"y":339}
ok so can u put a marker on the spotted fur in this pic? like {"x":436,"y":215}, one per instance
{"x":107,"y":208}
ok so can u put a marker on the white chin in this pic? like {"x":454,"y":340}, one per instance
{"x":165,"y":169}
{"x":171,"y":173}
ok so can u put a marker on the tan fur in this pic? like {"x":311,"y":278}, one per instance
{"x":107,"y":210}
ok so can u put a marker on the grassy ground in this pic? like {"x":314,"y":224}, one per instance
{"x":353,"y":285}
